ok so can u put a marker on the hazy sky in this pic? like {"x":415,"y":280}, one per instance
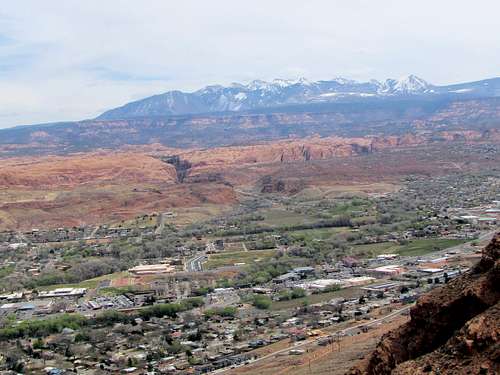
{"x":69,"y":60}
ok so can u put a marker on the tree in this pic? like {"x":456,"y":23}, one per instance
{"x":261,"y":302}
{"x":298,"y":293}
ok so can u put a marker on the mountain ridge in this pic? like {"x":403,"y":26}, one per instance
{"x":260,"y":94}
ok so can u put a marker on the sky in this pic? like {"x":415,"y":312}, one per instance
{"x":70,"y":60}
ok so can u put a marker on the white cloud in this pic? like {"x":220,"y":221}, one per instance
{"x":68,"y":59}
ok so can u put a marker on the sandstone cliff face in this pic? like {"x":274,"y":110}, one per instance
{"x":453,"y":330}
{"x":79,"y":169}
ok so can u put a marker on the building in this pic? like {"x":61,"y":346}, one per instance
{"x":15,"y":246}
{"x":387,"y":256}
{"x":431,"y":270}
{"x":35,"y":306}
{"x":63,"y":292}
{"x":290,"y":276}
{"x":357,"y":281}
{"x":152,"y":269}
{"x":304,"y":271}
{"x":390,"y":270}
{"x":13,"y":297}
{"x":320,"y":284}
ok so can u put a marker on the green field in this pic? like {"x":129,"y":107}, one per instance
{"x":412,"y":248}
{"x":316,"y":298}
{"x":319,"y":233}
{"x":140,"y":221}
{"x":281,"y":218}
{"x":233,"y":247}
{"x":6,"y":271}
{"x":89,"y":284}
{"x":229,"y":259}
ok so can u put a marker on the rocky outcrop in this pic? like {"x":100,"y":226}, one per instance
{"x":273,"y":185}
{"x":453,"y":330}
{"x":80,"y":169}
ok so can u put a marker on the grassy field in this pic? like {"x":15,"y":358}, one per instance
{"x":140,"y":221}
{"x":90,"y":283}
{"x":316,"y":298}
{"x":5,"y":271}
{"x":319,"y":233}
{"x":229,"y":259}
{"x":276,"y":217}
{"x":413,"y":248}
{"x":425,"y":246}
{"x":188,"y":215}
{"x":233,"y":247}
{"x":337,"y":190}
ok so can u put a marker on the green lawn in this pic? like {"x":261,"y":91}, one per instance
{"x":229,"y":259}
{"x":413,"y":248}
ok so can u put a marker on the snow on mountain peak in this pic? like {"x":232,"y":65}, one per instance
{"x":278,"y":92}
{"x":410,"y":84}
{"x":258,"y":84}
{"x":343,"y":81}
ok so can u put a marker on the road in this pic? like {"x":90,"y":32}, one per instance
{"x":161,"y":224}
{"x":339,"y":333}
{"x":195,"y":264}
{"x":467,"y":245}
{"x":94,"y":232}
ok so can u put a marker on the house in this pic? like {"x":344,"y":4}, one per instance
{"x":304,"y":271}
{"x":13,"y":297}
{"x":290,"y":276}
{"x":387,"y":256}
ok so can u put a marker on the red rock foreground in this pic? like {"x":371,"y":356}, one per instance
{"x":453,"y":330}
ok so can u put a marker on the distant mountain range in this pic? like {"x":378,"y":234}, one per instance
{"x":278,"y":93}
{"x":268,"y":111}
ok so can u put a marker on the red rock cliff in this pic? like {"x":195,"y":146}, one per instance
{"x":453,"y":330}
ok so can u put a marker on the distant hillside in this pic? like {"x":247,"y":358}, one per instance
{"x":278,"y":93}
{"x":395,"y":108}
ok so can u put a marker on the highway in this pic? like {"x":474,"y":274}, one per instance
{"x":486,"y":236}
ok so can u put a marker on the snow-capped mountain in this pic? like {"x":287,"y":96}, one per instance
{"x":260,"y":94}
{"x":410,"y":85}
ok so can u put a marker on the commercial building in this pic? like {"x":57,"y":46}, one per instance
{"x":321,"y":284}
{"x":387,"y":256}
{"x":390,"y":270}
{"x":152,"y":269}
{"x":62,"y":292}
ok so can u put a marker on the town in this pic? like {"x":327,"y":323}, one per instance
{"x":235,"y":290}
